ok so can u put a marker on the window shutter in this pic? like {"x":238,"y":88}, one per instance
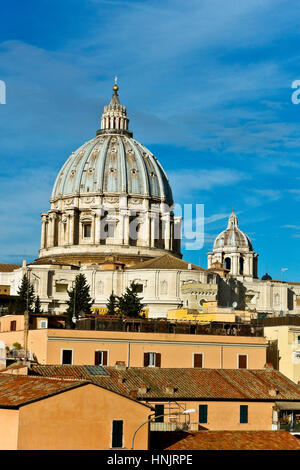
{"x":104,"y":355}
{"x":244,"y":414}
{"x":157,"y":360}
{"x":198,"y":360}
{"x":242,"y":362}
{"x":117,"y":434}
{"x":97,"y":358}
{"x":202,"y":413}
{"x":146,"y":359}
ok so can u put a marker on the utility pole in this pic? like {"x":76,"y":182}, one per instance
{"x":26,"y":317}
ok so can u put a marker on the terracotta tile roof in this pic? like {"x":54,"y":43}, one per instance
{"x":237,"y":440}
{"x":201,"y":384}
{"x":16,"y":391}
{"x":166,"y":262}
{"x":8,"y":268}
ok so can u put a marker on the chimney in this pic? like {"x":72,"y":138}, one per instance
{"x":24,"y":263}
{"x":170,"y":389}
{"x":189,"y":266}
{"x":269,"y":366}
{"x":133,"y":394}
{"x":273,"y":392}
{"x":143,"y":389}
{"x":120,"y":365}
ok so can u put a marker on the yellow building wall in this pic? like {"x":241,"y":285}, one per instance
{"x":9,"y":421}
{"x":81,"y":419}
{"x":183,"y":314}
{"x":177,"y":350}
{"x":225,"y":415}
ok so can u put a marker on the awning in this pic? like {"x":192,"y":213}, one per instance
{"x":288,"y":405}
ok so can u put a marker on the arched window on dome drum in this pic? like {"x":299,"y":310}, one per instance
{"x":227,"y":263}
{"x":241,"y":265}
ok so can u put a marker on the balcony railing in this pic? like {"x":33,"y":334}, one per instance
{"x":101,"y":323}
{"x":175,"y":426}
{"x":290,"y":427}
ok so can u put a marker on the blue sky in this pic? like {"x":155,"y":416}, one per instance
{"x":207,"y":85}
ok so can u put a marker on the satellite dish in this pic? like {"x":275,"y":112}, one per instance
{"x":234,"y":304}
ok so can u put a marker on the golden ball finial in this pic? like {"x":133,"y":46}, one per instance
{"x":115,"y":87}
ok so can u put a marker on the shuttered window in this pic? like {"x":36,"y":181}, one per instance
{"x":198,"y":360}
{"x":242,"y":361}
{"x":157,"y":360}
{"x":152,"y":359}
{"x":202,"y":413}
{"x":146,"y":359}
{"x":67,"y":356}
{"x":117,"y":434}
{"x":159,"y":410}
{"x":244,"y":414}
{"x":101,"y":358}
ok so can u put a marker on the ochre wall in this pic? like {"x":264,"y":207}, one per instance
{"x":9,"y":429}
{"x":225,"y":415}
{"x":176,"y":350}
{"x":81,"y":419}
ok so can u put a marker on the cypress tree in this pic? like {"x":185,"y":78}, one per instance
{"x":112,"y":304}
{"x":26,"y":296}
{"x":130,"y":303}
{"x":37,"y":305}
{"x":80,"y":301}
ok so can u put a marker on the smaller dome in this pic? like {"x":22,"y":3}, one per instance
{"x":232,"y":237}
{"x":266,"y":277}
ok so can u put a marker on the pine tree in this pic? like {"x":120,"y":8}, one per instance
{"x":129,"y":303}
{"x":112,"y":304}
{"x":80,"y":301}
{"x":26,"y":296}
{"x":37,"y":305}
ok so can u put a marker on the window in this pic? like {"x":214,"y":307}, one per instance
{"x":67,"y":356}
{"x":43,"y":323}
{"x":298,"y":339}
{"x":13,"y":325}
{"x":198,"y":360}
{"x":203,"y":414}
{"x":159,"y":411}
{"x":152,"y":359}
{"x":87,"y":230}
{"x":242,"y":361}
{"x":101,"y":358}
{"x":244,"y":414}
{"x":117,"y":434}
{"x":61,"y":287}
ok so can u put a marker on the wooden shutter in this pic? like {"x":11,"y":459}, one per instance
{"x":104,"y":358}
{"x":97,"y":358}
{"x":157,"y":360}
{"x":198,"y":360}
{"x":244,"y":414}
{"x":242,"y":361}
{"x":117,"y":434}
{"x":146,"y":359}
{"x":202,"y":413}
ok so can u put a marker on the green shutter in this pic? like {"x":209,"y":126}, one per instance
{"x":117,"y":434}
{"x":244,"y":414}
{"x":202,"y":413}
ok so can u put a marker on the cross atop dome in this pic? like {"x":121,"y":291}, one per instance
{"x":114,"y":119}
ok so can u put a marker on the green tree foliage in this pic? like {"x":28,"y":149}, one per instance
{"x":129,"y":303}
{"x":37,"y":305}
{"x":80,"y":301}
{"x":26,"y":297}
{"x":112,"y":304}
